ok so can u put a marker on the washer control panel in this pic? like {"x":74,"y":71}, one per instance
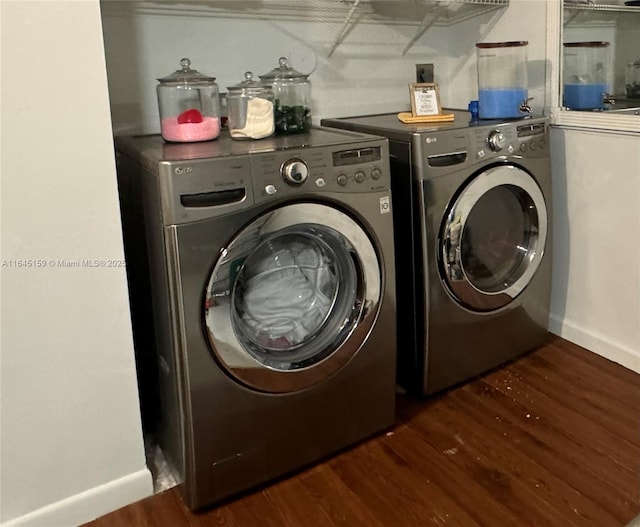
{"x":357,"y":165}
{"x":363,"y":167}
{"x":203,"y":180}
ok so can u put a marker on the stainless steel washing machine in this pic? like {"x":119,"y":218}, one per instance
{"x":271,"y":280}
{"x":472,"y":205}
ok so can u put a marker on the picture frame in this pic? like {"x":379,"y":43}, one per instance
{"x":425,"y":99}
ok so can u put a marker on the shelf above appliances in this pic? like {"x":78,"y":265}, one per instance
{"x":611,"y":8}
{"x":434,"y":12}
{"x":421,"y":14}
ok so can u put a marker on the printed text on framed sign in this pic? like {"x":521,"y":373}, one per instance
{"x":425,"y":99}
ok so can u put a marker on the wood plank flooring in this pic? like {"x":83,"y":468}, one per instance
{"x":552,"y":439}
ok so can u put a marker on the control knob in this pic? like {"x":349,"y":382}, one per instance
{"x":294,"y":171}
{"x":496,"y":140}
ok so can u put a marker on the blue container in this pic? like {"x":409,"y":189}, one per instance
{"x":584,"y":96}
{"x":586,"y":74}
{"x":501,"y":103}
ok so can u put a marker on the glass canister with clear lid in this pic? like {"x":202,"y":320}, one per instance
{"x":189,"y":105}
{"x":632,"y":80}
{"x":502,"y":79}
{"x":292,"y":93}
{"x":586,"y":74}
{"x":250,"y":109}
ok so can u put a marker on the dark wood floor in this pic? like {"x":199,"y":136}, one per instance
{"x":552,"y":439}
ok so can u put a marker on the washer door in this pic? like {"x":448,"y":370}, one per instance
{"x":292,"y":297}
{"x":493,"y":238}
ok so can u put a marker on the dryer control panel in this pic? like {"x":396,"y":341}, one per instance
{"x":482,"y":142}
{"x":521,"y":138}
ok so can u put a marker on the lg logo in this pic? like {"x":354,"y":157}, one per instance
{"x":183,"y":170}
{"x":429,"y":140}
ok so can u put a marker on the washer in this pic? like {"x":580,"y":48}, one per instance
{"x":472,"y":205}
{"x":271,"y":279}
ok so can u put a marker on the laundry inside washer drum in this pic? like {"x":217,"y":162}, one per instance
{"x":290,"y":293}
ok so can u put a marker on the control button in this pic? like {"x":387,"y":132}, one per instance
{"x":342,"y":180}
{"x":320,"y":182}
{"x":542,"y":144}
{"x":532,"y":146}
{"x":510,"y":149}
{"x":481,"y":154}
{"x":376,"y":174}
{"x":270,"y":190}
{"x":294,"y":171}
{"x":360,"y":177}
{"x":496,"y":140}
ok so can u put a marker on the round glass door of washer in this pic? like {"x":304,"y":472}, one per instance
{"x":292,"y":297}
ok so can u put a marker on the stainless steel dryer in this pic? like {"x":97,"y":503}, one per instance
{"x":271,"y":270}
{"x":472,"y":205}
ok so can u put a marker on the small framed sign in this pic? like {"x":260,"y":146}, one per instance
{"x":425,"y":99}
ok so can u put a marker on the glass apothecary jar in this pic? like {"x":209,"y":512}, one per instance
{"x":189,"y":104}
{"x":292,"y":97}
{"x":586,"y":74}
{"x":250,"y":109}
{"x":632,"y":80}
{"x":502,"y":79}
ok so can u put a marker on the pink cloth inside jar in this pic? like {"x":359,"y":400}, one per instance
{"x":208,"y":129}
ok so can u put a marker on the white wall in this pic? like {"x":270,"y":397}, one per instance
{"x":71,"y":437}
{"x":596,"y":258}
{"x":368,"y":72}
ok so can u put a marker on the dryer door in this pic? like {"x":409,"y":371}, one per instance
{"x":292,"y":297}
{"x":493,"y":238}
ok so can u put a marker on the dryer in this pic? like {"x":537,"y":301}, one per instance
{"x":472,"y":211}
{"x":269,"y":269}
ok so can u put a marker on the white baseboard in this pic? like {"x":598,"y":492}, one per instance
{"x":90,"y":504}
{"x":595,"y":342}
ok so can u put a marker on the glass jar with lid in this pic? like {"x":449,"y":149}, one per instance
{"x":632,"y":80}
{"x":292,"y":94}
{"x":586,"y":75}
{"x":189,"y":105}
{"x":502,"y":79}
{"x":250,"y":109}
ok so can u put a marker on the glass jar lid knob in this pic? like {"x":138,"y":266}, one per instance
{"x":283,"y":71}
{"x":186,"y":74}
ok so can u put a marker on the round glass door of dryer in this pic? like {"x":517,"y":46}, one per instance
{"x":292,"y":297}
{"x":493,"y":238}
